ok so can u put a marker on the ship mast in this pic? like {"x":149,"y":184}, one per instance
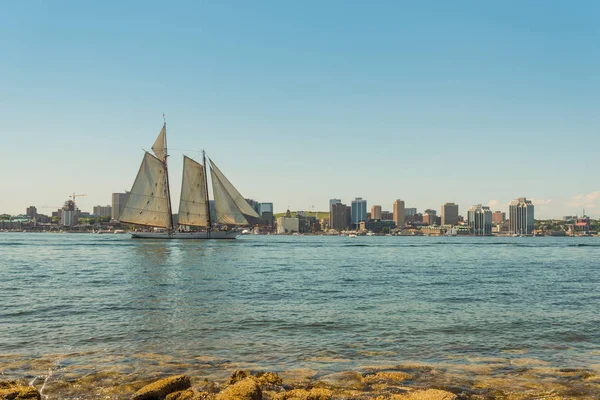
{"x":171,"y":227}
{"x":206,"y":191}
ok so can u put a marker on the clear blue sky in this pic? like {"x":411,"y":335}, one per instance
{"x":298,"y":102}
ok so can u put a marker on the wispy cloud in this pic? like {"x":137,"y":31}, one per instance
{"x":589,"y":200}
{"x":493,"y":204}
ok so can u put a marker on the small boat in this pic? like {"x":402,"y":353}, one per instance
{"x":352,"y":235}
{"x":149,"y":201}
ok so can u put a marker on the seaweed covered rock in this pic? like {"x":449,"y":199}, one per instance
{"x":188,"y":394}
{"x":246,"y":389}
{"x":429,"y":394}
{"x":163,"y":387}
{"x":14,"y":391}
{"x":303,"y":394}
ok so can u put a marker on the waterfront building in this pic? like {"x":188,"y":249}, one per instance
{"x":265,"y":210}
{"x":430,"y":217}
{"x":359,"y":211}
{"x":399,"y":217}
{"x":449,"y":214}
{"x":387,"y":216}
{"x":480,"y":220}
{"x":338,"y":219}
{"x":31,"y":212}
{"x":498,"y":217}
{"x":409,"y":212}
{"x":70,"y":214}
{"x":102,"y":211}
{"x":288,"y":225}
{"x":521,"y":216}
{"x":334,"y":201}
{"x":414,"y":219}
{"x":375,"y":212}
{"x":377,"y":225}
{"x":118,"y":202}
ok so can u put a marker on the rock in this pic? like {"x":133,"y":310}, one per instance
{"x":238,"y":376}
{"x":386,"y":376}
{"x":269,"y":379}
{"x":246,"y":389}
{"x":163,"y":387}
{"x":303,"y":394}
{"x":14,"y":391}
{"x":429,"y":394}
{"x":188,"y":394}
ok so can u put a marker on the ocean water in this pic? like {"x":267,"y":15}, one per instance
{"x":285,"y":302}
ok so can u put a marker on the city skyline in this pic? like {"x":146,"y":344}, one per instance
{"x":409,"y":103}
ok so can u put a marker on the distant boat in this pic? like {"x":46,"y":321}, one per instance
{"x":352,"y":235}
{"x":149,"y":201}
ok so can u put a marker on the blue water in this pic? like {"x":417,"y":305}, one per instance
{"x":304,"y":301}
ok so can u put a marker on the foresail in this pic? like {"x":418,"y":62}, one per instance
{"x":235,"y":196}
{"x":148,"y":203}
{"x":160,"y":145}
{"x":226,"y":211}
{"x":193,"y":209}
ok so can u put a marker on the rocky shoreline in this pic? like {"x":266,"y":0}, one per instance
{"x":403,"y":382}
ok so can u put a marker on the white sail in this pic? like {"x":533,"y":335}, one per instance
{"x":148,"y":202}
{"x":230,"y":207}
{"x":160,"y":144}
{"x":193,"y":209}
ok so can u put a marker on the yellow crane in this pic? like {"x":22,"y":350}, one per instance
{"x":77,"y":195}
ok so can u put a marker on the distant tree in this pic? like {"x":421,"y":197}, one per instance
{"x":55,"y":220}
{"x":385,"y":230}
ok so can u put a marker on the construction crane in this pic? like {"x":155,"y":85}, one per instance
{"x":77,"y":195}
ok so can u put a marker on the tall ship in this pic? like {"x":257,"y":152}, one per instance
{"x":149,"y":201}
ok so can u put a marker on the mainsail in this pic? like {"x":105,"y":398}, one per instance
{"x":230,"y":207}
{"x":148,"y":201}
{"x":193,"y":209}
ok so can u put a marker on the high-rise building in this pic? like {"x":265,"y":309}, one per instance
{"x":480,"y":220}
{"x":31,"y":212}
{"x":498,"y":217}
{"x":102,"y":211}
{"x":254,"y":204}
{"x":359,"y":211}
{"x":521,"y":216}
{"x":450,"y":214}
{"x":376,"y":212}
{"x":334,"y":201}
{"x":337,"y":216}
{"x":429,"y":217}
{"x":265,"y":210}
{"x":70,"y":214}
{"x":118,"y":202}
{"x":408,"y":212}
{"x":398,"y":208}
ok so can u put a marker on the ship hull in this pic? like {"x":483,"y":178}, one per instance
{"x":186,"y":235}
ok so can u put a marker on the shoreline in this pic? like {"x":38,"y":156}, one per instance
{"x":482,"y":378}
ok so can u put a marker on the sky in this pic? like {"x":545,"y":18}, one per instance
{"x":298,"y":102}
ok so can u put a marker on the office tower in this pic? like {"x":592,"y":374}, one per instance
{"x":521,"y":216}
{"x":429,"y":217}
{"x":498,"y":217}
{"x":338,"y":219}
{"x":334,"y":201}
{"x":265,"y":210}
{"x":409,"y":212}
{"x":399,"y":216}
{"x":480,"y":220}
{"x":118,"y":202}
{"x":376,"y":212}
{"x":70,"y":214}
{"x":449,"y":214}
{"x":359,"y":211}
{"x":31,"y":212}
